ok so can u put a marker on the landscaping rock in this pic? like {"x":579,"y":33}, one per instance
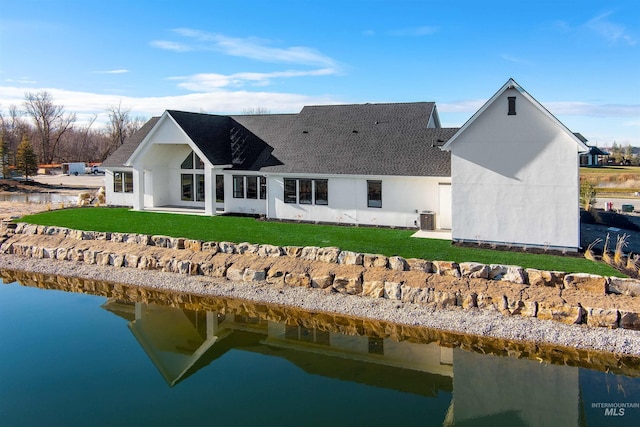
{"x":599,"y":317}
{"x":474,"y":270}
{"x":328,"y":255}
{"x":350,"y":258}
{"x":416,"y":264}
{"x":624,"y":286}
{"x":372,"y":260}
{"x":398,"y":263}
{"x":447,"y":268}
{"x":587,"y":283}
{"x":544,"y":278}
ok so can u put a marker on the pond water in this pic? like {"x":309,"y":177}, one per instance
{"x":77,"y":358}
{"x":39,"y":198}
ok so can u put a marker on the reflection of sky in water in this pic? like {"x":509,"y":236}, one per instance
{"x":81,"y":359}
{"x":38,"y":198}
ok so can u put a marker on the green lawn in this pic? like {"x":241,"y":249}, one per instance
{"x":360,"y":239}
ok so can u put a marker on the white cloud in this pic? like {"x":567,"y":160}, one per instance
{"x":610,"y":31}
{"x":587,"y":109}
{"x":86,"y":104}
{"x":117,"y":71}
{"x":21,"y":81}
{"x":248,"y":47}
{"x":174,"y":46}
{"x":213,"y":81}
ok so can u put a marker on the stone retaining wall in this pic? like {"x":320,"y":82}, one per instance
{"x":568,"y":298}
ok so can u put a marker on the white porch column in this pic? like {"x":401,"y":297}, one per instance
{"x":138,"y":189}
{"x":210,"y":191}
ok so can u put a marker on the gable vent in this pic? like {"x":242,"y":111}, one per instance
{"x":512,"y":105}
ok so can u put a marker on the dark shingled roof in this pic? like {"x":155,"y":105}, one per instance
{"x":119,"y":157}
{"x":362,"y":139}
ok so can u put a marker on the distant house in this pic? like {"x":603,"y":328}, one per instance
{"x":365,"y":164}
{"x":594,"y":157}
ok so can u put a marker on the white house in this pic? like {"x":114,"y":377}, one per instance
{"x":366,"y":164}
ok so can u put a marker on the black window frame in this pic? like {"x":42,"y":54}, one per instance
{"x":305,"y":191}
{"x":252,"y":187}
{"x":374,"y":195}
{"x":321,"y":191}
{"x":122,"y":182}
{"x":219,"y":188}
{"x":200,"y":187}
{"x":238,"y":186}
{"x":290,"y":190}
{"x":262,"y":187}
{"x":187,"y":187}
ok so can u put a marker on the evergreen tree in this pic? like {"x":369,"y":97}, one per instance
{"x":27,"y":162}
{"x":4,"y":155}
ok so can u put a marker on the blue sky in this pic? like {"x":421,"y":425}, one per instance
{"x":580,"y":59}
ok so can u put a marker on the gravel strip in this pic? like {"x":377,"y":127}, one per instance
{"x":474,"y":322}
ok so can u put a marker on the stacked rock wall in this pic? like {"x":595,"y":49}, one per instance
{"x":568,"y":298}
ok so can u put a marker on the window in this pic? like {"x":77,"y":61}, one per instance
{"x":127,"y":179}
{"x":263,"y":187}
{"x":192,"y":184}
{"x":306,"y":191}
{"x":374,"y":194}
{"x":192,"y":161}
{"x":220,"y":188}
{"x":290,"y":191}
{"x":238,"y":187}
{"x":123,"y":182}
{"x":200,"y":187}
{"x":512,"y":105}
{"x":187,"y":187}
{"x":255,"y":186}
{"x":252,"y":187}
{"x":321,"y":191}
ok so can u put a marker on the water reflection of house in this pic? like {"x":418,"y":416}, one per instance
{"x":180,"y":342}
{"x":491,"y":390}
{"x":486,"y":389}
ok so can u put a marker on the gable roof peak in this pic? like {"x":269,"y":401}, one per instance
{"x":509,"y":85}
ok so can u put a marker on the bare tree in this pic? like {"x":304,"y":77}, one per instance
{"x":255,"y":111}
{"x":50,"y":121}
{"x":120,"y":127}
{"x":83,"y":143}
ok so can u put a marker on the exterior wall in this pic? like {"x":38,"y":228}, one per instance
{"x":403,"y":198}
{"x":515,"y":179}
{"x":113,"y":198}
{"x":242,"y":205}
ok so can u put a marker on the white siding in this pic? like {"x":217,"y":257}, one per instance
{"x":116,"y":198}
{"x":403,"y":198}
{"x":515,"y":178}
{"x":241,"y":205}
